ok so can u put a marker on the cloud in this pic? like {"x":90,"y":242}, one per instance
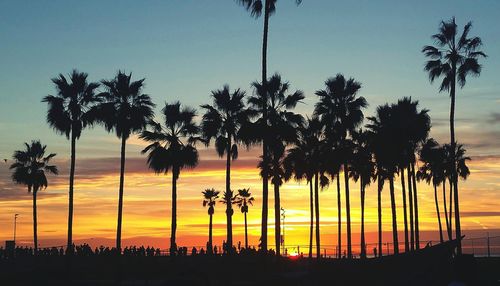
{"x":494,"y":118}
{"x":479,"y":214}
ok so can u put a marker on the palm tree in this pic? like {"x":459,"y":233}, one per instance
{"x":453,"y":58}
{"x":29,"y":168}
{"x":210,"y":197}
{"x":340,"y":109}
{"x":255,"y":8}
{"x":124,"y":110}
{"x":245,"y":199}
{"x":302,"y":162}
{"x":172,"y":148}
{"x":362,"y":169}
{"x":412,"y":128}
{"x":68,"y":114}
{"x":386,"y":153}
{"x":282,"y":124}
{"x":229,"y":199}
{"x":222,"y":121}
{"x":432,"y":171}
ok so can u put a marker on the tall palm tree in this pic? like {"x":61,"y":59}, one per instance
{"x":362,"y":169}
{"x":124,"y":110}
{"x":222,"y":121}
{"x":386,"y":153}
{"x":454,"y":57}
{"x":229,"y":199}
{"x":29,"y":168}
{"x":245,"y":199}
{"x":282,"y":124}
{"x":67,"y":113}
{"x":172,"y":149}
{"x":256,"y":7}
{"x":432,"y":171}
{"x":210,"y":197}
{"x":340,"y":109}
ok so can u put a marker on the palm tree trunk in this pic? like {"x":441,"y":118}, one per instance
{"x":277,"y":224}
{"x":448,"y":227}
{"x":410,"y":200}
{"x":316,"y":202}
{"x":265,"y":177}
{"x":69,"y":247}
{"x":339,"y":214}
{"x":394,"y":220}
{"x":379,"y":208}
{"x":405,"y":217}
{"x":415,"y":205}
{"x":229,"y":206}
{"x":363,"y":243}
{"x":348,"y":211}
{"x":210,"y":245}
{"x":35,"y":223}
{"x":454,"y":176}
{"x":120,"y":197}
{"x":311,"y":227}
{"x":173,"y":245}
{"x":450,"y":210}
{"x":246,"y":231}
{"x":438,"y":215}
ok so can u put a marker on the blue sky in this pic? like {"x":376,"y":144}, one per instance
{"x":187,"y":48}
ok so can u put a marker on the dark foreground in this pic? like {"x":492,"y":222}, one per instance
{"x":246,"y":270}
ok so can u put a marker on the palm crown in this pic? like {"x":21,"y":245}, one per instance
{"x":69,"y":109}
{"x":255,"y":6}
{"x":244,"y":199}
{"x":30,"y":166}
{"x":210,"y":197}
{"x":172,"y":143}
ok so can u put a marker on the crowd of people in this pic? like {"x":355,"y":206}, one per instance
{"x":85,"y":250}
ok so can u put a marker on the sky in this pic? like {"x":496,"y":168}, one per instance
{"x":185,"y":49}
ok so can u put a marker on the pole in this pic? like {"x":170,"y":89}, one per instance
{"x":15,"y":226}
{"x":283,"y":236}
{"x":488,"y":242}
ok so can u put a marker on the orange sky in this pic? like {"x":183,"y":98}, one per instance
{"x":147,"y":204}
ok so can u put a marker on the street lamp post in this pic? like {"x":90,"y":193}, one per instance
{"x":15,"y":226}
{"x":283,"y":236}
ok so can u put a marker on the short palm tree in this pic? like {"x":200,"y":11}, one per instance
{"x":68,"y":113}
{"x":29,"y":168}
{"x":124,"y":110}
{"x":222,"y":121}
{"x":244,"y":200}
{"x":256,"y":7}
{"x":340,"y":108}
{"x":172,"y":149}
{"x":229,"y":199}
{"x":210,"y":197}
{"x":362,"y":170}
{"x":432,"y":172}
{"x":454,"y":57}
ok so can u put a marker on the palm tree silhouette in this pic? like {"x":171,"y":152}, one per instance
{"x":340,"y":109}
{"x":362,"y":169}
{"x":412,"y":127}
{"x":386,"y":151}
{"x":255,"y":8}
{"x":124,"y":110}
{"x":222,"y":121}
{"x":432,"y":171}
{"x":244,"y":199}
{"x":303,"y":162}
{"x":282,"y":124}
{"x":229,"y":199}
{"x":210,"y":197}
{"x":68,"y":113}
{"x":29,"y":168}
{"x":453,"y":58}
{"x":172,"y":148}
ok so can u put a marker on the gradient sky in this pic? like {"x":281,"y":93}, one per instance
{"x":187,"y":48}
